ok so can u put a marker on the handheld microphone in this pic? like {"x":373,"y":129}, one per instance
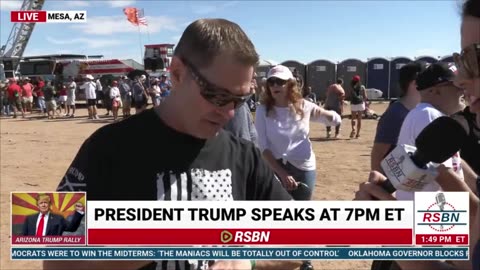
{"x":408,"y":168}
{"x":440,"y":198}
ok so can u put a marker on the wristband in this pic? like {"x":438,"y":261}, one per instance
{"x":253,"y":264}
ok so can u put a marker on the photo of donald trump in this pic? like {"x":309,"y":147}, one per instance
{"x":47,"y":223}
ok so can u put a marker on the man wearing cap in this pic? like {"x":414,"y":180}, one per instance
{"x":439,"y":97}
{"x":90,"y":94}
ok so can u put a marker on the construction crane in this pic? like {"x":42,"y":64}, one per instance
{"x":12,"y":52}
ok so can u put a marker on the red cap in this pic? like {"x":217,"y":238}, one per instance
{"x":356,"y":78}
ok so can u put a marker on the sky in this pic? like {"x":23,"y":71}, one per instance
{"x":280,"y":30}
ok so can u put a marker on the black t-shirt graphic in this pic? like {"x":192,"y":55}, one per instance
{"x":141,"y":158}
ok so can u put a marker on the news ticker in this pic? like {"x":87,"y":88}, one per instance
{"x":262,"y":223}
{"x":42,"y":16}
{"x":241,"y":253}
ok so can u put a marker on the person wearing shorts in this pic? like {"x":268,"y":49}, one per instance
{"x":49,"y":93}
{"x":334,"y":101}
{"x":115,"y":99}
{"x":62,"y":99}
{"x":71,"y":88}
{"x":14,"y":93}
{"x":27,"y":95}
{"x":357,"y":104}
{"x":90,"y":86}
{"x":126,"y":95}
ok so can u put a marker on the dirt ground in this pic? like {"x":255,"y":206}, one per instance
{"x":35,"y":153}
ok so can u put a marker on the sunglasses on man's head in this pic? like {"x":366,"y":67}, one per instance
{"x":469,"y":60}
{"x":216,"y":95}
{"x":272,"y":81}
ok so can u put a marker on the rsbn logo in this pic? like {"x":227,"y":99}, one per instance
{"x":441,"y":215}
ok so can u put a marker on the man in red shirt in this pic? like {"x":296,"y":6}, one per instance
{"x":27,"y":97}
{"x":14,"y":92}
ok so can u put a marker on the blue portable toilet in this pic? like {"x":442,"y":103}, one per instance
{"x":320,"y":75}
{"x":378,"y":74}
{"x":349,"y":68}
{"x":395,"y":65}
{"x":447,"y":59}
{"x":427,"y":59}
{"x":301,"y":67}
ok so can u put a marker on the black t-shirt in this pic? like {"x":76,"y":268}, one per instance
{"x":470,"y":151}
{"x":141,"y":158}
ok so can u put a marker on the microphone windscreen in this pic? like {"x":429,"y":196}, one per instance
{"x":440,"y":140}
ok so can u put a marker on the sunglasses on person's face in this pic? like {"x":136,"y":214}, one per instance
{"x":276,"y":81}
{"x":469,"y":61}
{"x":216,"y":95}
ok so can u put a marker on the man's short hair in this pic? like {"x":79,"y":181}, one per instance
{"x":409,"y":73}
{"x":204,"y":39}
{"x":43,"y":197}
{"x":339,"y":81}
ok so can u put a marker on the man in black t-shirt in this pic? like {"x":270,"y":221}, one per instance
{"x":211,"y":72}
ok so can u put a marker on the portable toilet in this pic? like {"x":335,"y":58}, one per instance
{"x":320,"y":75}
{"x":300,"y":67}
{"x":378,"y":74}
{"x":395,"y":65}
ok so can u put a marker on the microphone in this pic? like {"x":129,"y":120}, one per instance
{"x":408,"y":168}
{"x":440,"y":198}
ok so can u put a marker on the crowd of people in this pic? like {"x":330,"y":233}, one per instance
{"x":205,"y":125}
{"x":53,"y":98}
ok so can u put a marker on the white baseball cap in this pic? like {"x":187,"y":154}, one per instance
{"x":88,"y":76}
{"x":281,"y":72}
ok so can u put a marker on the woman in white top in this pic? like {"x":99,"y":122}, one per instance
{"x":115,"y":99}
{"x":282,"y":123}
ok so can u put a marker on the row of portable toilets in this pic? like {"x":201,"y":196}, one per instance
{"x":378,"y":73}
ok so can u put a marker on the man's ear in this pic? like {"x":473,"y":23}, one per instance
{"x":177,"y":71}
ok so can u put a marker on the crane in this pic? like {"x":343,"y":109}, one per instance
{"x":12,"y":52}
